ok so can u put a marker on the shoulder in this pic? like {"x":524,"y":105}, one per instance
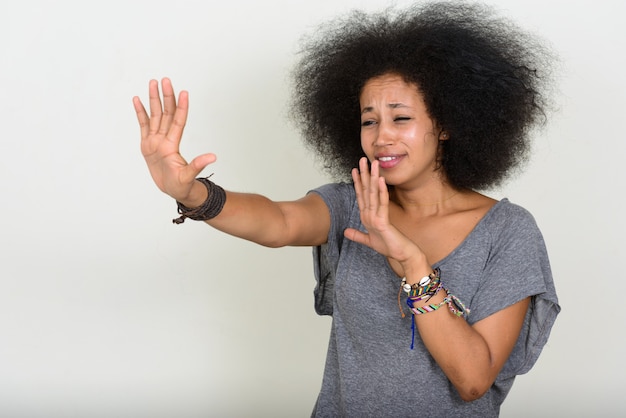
{"x":335,"y":190}
{"x":512,"y":231}
{"x":336,"y":195}
{"x":506,"y":215}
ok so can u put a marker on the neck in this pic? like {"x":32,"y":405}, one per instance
{"x":429,"y":200}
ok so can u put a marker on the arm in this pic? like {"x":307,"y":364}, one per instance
{"x":470,"y":356}
{"x":249,"y":216}
{"x":304,"y":222}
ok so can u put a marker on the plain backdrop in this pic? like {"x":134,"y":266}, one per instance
{"x":107,"y":309}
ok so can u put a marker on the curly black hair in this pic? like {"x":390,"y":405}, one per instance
{"x":482,"y":78}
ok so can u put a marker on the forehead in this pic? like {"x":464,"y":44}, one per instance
{"x":389,"y":88}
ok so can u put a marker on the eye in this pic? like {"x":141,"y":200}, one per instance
{"x":367,"y":123}
{"x":401,"y":118}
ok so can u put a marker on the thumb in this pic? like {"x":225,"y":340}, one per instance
{"x":199,"y":163}
{"x":356,"y":236}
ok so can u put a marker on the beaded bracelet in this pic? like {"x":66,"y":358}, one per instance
{"x":427,"y":284}
{"x":209,"y":209}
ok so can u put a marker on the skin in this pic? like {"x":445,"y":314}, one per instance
{"x":421,"y":220}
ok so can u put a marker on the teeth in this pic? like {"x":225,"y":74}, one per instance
{"x":387,"y":158}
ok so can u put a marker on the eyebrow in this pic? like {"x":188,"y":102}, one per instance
{"x":390,"y":105}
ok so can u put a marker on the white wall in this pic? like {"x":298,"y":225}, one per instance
{"x":109,"y":310}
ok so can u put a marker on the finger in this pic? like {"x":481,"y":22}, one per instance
{"x":364,"y":174}
{"x":381,"y":192}
{"x":383,"y":198}
{"x":373,"y":188}
{"x":364,"y":170}
{"x":169,"y":105}
{"x":142,"y":117}
{"x":155,"y":106}
{"x":358,"y":188}
{"x":175,"y":131}
{"x":356,"y":236}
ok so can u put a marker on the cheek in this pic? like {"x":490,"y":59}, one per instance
{"x":366,"y":144}
{"x":427,"y":140}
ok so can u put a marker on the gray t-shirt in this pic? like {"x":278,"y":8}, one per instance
{"x":371,"y":370}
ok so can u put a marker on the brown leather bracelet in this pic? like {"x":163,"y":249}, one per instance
{"x":209,"y":209}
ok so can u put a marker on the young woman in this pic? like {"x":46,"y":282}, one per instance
{"x":440,"y":295}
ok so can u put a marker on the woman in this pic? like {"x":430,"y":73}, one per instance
{"x":440,"y":295}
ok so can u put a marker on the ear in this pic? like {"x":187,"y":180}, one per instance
{"x":444,"y":136}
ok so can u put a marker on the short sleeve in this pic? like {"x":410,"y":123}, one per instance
{"x":518,"y":267}
{"x":341,"y":200}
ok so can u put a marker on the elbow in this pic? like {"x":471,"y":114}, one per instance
{"x":471,"y":394}
{"x":471,"y":387}
{"x":472,"y":391}
{"x":271,"y":243}
{"x":473,"y":383}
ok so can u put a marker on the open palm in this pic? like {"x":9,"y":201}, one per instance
{"x":373,"y":201}
{"x":161,"y":133}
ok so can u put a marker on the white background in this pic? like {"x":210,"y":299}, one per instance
{"x":109,"y":310}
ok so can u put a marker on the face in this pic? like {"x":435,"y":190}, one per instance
{"x":397,"y":131}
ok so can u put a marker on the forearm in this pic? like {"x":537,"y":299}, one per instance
{"x":258,"y":219}
{"x":470,"y":356}
{"x":460,"y":351}
{"x":254,"y":218}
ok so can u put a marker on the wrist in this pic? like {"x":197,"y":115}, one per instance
{"x":424,"y":289}
{"x":197,"y":195}
{"x":416,"y":268}
{"x":208,"y":209}
{"x":436,"y":298}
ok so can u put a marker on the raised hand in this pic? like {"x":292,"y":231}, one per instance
{"x":161,"y":133}
{"x":373,"y":200}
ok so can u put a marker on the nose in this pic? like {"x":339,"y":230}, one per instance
{"x":384,"y":135}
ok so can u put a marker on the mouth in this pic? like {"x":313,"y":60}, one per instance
{"x":389,"y":161}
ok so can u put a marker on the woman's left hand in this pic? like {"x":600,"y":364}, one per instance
{"x":373,"y":199}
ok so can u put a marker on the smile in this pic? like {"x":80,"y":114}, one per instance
{"x":389,"y":161}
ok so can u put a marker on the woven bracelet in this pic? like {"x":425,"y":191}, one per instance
{"x":410,"y":300}
{"x":429,"y":308}
{"x":454,"y":304}
{"x":209,"y":209}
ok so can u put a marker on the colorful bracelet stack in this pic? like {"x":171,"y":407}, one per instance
{"x":424,"y":290}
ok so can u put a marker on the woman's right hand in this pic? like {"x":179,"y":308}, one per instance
{"x":161,"y":133}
